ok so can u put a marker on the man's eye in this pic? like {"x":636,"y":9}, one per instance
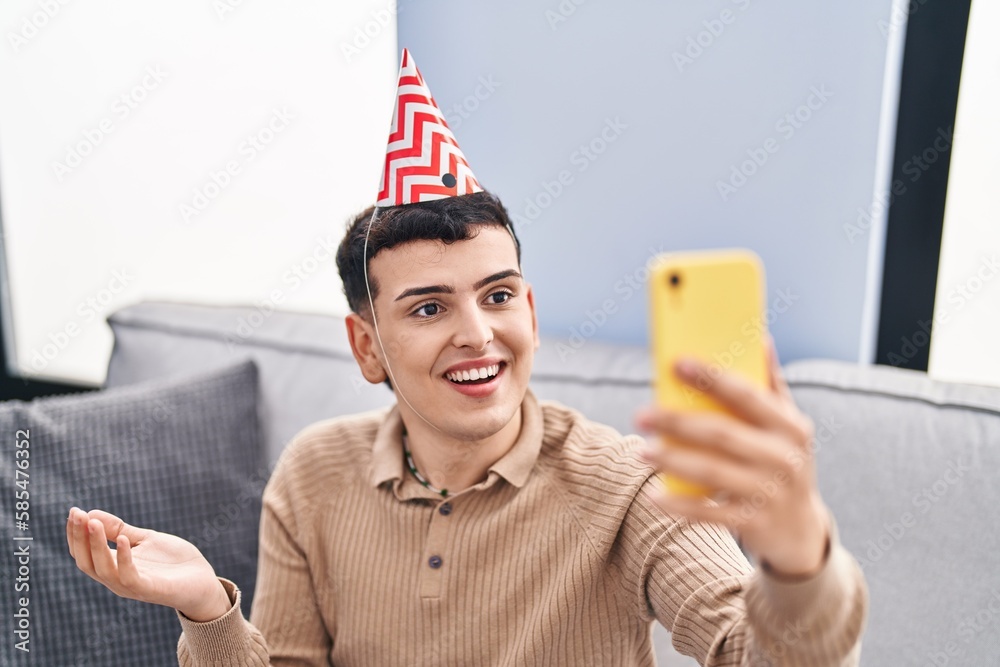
{"x":503,"y":296}
{"x":427,"y":310}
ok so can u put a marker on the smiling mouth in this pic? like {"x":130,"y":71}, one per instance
{"x":475,"y":375}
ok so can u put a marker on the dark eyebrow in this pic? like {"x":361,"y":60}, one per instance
{"x":445,"y":289}
{"x":509,"y":273}
{"x":430,"y":289}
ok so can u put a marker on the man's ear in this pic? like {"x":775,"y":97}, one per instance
{"x":364,"y":345}
{"x":534,"y":317}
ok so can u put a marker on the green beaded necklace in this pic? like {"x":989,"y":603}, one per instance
{"x":416,"y":473}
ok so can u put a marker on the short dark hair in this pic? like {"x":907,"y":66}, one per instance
{"x":448,"y":220}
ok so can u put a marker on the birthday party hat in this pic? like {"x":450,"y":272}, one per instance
{"x":422,"y":161}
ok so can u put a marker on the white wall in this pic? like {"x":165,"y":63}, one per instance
{"x":145,"y":106}
{"x":966,"y":325}
{"x":529,"y":83}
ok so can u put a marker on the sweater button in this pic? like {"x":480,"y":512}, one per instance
{"x":445,"y":509}
{"x":435,"y":562}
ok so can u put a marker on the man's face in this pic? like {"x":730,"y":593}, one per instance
{"x":448,"y":314}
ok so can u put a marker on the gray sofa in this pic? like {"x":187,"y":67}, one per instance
{"x":908,"y":465}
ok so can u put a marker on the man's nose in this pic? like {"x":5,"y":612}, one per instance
{"x":473,"y":330}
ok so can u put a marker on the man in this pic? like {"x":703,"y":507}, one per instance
{"x":471,"y":524}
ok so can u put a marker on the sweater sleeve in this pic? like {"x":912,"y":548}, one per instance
{"x":694,"y":580}
{"x":227,"y":640}
{"x":285,"y":607}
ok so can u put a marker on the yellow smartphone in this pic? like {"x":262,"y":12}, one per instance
{"x":708,"y":305}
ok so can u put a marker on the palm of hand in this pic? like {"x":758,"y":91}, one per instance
{"x":146,"y":565}
{"x":165,"y":566}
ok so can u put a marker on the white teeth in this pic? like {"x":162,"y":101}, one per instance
{"x":474,"y":374}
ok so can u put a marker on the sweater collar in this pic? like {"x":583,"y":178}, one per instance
{"x":515,"y":466}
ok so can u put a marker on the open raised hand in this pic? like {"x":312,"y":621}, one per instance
{"x":145,"y":565}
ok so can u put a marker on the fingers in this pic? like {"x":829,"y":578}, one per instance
{"x":694,"y":509}
{"x":696,"y":467}
{"x":777,"y":378}
{"x":100,"y":554}
{"x":127,"y":573}
{"x":69,"y":530}
{"x":747,"y":401}
{"x":717,"y":433}
{"x":89,"y":548}
{"x":81,"y":542}
{"x":114,"y":526}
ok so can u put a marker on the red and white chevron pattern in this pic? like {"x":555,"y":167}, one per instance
{"x":422,"y":161}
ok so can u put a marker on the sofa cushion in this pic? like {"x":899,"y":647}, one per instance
{"x":307,"y":371}
{"x":180,"y":456}
{"x":909,"y":467}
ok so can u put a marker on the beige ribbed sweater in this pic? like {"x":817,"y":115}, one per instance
{"x":559,"y":557}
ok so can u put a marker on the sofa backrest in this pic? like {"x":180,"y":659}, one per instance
{"x":909,"y":467}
